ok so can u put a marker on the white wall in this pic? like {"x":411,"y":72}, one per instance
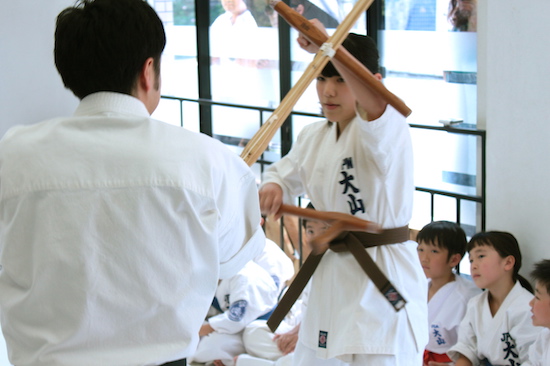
{"x":30,"y":88}
{"x":514,"y":105}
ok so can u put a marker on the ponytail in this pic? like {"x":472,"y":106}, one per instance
{"x":505,"y":244}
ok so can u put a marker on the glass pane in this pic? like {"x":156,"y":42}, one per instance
{"x":429,"y":53}
{"x":179,"y":63}
{"x":179,"y":60}
{"x":244,"y":68}
{"x":445,"y":161}
{"x":430,"y":62}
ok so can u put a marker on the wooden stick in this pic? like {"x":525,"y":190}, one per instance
{"x":257,"y":145}
{"x":315,"y":36}
{"x":347,"y":221}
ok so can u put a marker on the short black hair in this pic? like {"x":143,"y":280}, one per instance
{"x":541,"y":273}
{"x":444,"y":234}
{"x":363,"y":48}
{"x":101,"y":45}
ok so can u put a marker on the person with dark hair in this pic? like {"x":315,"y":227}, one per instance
{"x":358,"y":161}
{"x":463,"y":15}
{"x":115,"y":227}
{"x":496,"y":327}
{"x":539,"y":352}
{"x":441,"y":246}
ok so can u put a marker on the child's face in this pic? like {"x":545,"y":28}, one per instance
{"x":434,"y":260}
{"x":314,"y":228}
{"x":336,"y":99}
{"x":540,"y":306}
{"x":487,"y":267}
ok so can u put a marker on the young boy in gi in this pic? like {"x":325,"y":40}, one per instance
{"x":441,"y":246}
{"x":358,"y":161}
{"x":539,"y":352}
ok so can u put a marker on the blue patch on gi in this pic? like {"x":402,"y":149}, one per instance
{"x":323,"y":339}
{"x":237,"y":310}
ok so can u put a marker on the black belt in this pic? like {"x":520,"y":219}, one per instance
{"x":354,"y":242}
{"x":182,"y":362}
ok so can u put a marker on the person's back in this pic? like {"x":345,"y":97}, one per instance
{"x":115,"y":227}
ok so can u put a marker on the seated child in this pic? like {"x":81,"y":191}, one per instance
{"x":496,"y":327}
{"x":262,"y":346}
{"x":441,"y":246}
{"x":274,"y":260}
{"x":539,"y":352}
{"x":241,"y":299}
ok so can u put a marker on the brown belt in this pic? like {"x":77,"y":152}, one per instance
{"x":354,"y":242}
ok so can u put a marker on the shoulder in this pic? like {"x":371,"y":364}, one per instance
{"x":390,"y":117}
{"x":315,"y":127}
{"x":315,"y":131}
{"x":520,"y":294}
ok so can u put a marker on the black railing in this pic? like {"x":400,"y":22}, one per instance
{"x":461,"y":129}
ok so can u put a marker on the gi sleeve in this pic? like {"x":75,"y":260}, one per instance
{"x":252,"y":294}
{"x":241,"y":237}
{"x":286,"y":172}
{"x":467,"y":339}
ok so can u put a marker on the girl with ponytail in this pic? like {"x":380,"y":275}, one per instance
{"x":497,"y":328}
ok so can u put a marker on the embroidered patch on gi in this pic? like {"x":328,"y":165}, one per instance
{"x":395,"y":298}
{"x":237,"y":310}
{"x":323,"y":339}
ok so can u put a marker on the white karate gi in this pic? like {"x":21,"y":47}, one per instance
{"x":274,"y":260}
{"x":243,"y":298}
{"x":539,"y":352}
{"x":258,"y":338}
{"x":114,"y":231}
{"x":367,"y":171}
{"x":503,"y":339}
{"x":446,"y":310}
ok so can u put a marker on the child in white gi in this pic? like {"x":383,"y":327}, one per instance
{"x":358,"y":161}
{"x":496,"y":327}
{"x":539,"y":352}
{"x":274,"y":260}
{"x":243,"y":298}
{"x":441,"y":246}
{"x":262,"y":346}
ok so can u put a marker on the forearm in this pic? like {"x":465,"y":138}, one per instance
{"x":463,"y":361}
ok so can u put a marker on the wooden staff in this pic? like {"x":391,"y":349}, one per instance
{"x":257,"y":145}
{"x":314,"y":35}
{"x":338,"y":222}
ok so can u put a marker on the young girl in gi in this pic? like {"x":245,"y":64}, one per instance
{"x":358,"y":161}
{"x":497,"y":327}
{"x":441,"y":246}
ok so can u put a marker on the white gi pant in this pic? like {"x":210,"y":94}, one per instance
{"x":305,"y":356}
